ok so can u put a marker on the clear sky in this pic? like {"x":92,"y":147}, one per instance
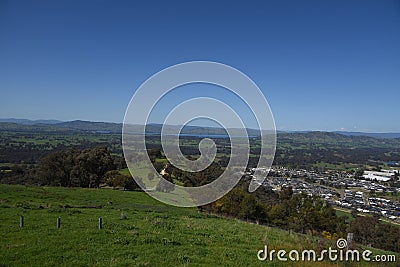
{"x":322,"y":65}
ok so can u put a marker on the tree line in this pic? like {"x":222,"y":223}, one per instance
{"x":298,"y":212}
{"x":305,"y":214}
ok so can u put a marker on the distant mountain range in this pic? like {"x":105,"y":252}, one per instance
{"x":108,"y":127}
{"x":30,"y":122}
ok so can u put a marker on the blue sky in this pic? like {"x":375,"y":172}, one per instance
{"x":322,"y":65}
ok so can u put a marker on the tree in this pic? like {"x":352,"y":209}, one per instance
{"x":286,"y":193}
{"x":55,"y":168}
{"x":230,"y":203}
{"x":368,"y":230}
{"x":114,"y":179}
{"x":133,"y":184}
{"x":363,"y":228}
{"x":238,"y":203}
{"x":84,"y":168}
{"x":92,"y":165}
{"x":117,"y":180}
{"x":311,"y":213}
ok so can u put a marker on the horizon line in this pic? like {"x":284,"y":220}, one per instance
{"x":158,"y":123}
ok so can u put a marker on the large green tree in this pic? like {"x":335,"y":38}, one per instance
{"x":82,"y":168}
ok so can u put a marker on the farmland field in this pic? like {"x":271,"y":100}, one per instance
{"x":152,"y":234}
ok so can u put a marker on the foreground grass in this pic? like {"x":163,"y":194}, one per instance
{"x":153,"y":234}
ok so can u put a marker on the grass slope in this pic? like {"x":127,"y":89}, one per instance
{"x":154,"y":234}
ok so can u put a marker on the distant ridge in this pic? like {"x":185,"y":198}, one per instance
{"x":152,"y":128}
{"x":91,"y":126}
{"x":59,"y":126}
{"x":30,"y":122}
{"x":376,"y":135}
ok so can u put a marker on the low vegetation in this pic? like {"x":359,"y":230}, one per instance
{"x":137,"y":231}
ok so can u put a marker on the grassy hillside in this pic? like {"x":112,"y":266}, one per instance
{"x":153,"y":234}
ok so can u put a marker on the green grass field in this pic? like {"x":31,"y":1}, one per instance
{"x":153,"y":234}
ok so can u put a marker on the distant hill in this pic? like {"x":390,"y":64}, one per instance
{"x":109,"y":127}
{"x":58,"y":126}
{"x":105,"y":127}
{"x":376,"y":135}
{"x":333,"y":139}
{"x":197,"y":130}
{"x":30,"y":122}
